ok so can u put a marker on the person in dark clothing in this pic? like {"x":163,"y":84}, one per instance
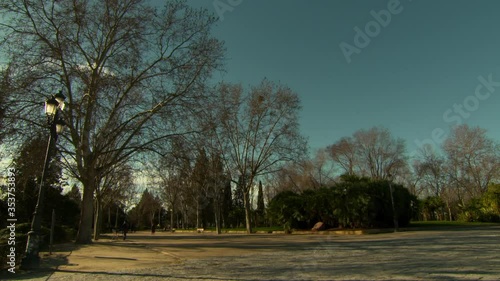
{"x":125,"y":229}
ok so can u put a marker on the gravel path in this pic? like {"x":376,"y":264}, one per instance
{"x":455,"y":255}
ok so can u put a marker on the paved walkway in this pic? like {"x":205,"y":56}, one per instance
{"x":472,"y":254}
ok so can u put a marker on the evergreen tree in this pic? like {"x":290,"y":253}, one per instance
{"x":260,"y":212}
{"x":227,"y":203}
{"x":75,"y":195}
{"x":146,"y":210}
{"x":29,"y":168}
{"x":238,"y":207}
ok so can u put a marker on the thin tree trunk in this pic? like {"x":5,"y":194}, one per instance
{"x":116,"y":219}
{"x":171,"y":219}
{"x":248,"y":219}
{"x":218,"y":215}
{"x":449,"y":210}
{"x":109,"y":217}
{"x":198,"y":213}
{"x":159,"y":217}
{"x":217,"y":223}
{"x":97,"y":218}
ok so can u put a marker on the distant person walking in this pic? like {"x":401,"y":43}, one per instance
{"x":153,"y":228}
{"x":125,"y":229}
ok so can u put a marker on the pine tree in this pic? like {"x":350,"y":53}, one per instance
{"x":260,"y":204}
{"x":227,"y":203}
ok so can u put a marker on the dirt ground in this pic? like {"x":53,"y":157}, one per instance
{"x":470,"y":254}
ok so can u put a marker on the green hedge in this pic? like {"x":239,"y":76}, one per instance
{"x":353,"y":203}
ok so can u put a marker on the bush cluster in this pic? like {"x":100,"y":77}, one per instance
{"x":353,"y":203}
{"x":483,"y":209}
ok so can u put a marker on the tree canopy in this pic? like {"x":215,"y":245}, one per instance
{"x":127,"y":69}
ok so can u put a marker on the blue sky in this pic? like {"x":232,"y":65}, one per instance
{"x":409,"y":78}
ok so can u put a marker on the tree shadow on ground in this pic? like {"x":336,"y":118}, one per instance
{"x":49,"y":263}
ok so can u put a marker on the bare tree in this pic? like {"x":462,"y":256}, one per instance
{"x":125,"y":67}
{"x":257,"y":132}
{"x":113,"y":187}
{"x":344,"y":154}
{"x":432,"y":172}
{"x":170,"y":194}
{"x":200,"y":180}
{"x":379,"y":153}
{"x":473,"y":161}
{"x":305,"y":174}
{"x":431,"y":169}
{"x":172,"y":175}
{"x":374,"y":153}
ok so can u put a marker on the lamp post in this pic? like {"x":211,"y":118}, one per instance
{"x":53,"y":109}
{"x":394,"y":216}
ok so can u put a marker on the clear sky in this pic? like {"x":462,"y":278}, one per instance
{"x":418,"y":73}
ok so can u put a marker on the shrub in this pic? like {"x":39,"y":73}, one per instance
{"x":353,"y":203}
{"x":286,"y":209}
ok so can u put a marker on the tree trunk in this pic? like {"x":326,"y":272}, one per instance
{"x":116,"y":219}
{"x":449,"y":210}
{"x":198,"y":213}
{"x":97,"y":218}
{"x":218,"y":215}
{"x":217,"y":223}
{"x":84,"y":235}
{"x":248,"y":219}
{"x":109,"y":217}
{"x":159,"y":217}
{"x":171,"y":219}
{"x":177,"y":222}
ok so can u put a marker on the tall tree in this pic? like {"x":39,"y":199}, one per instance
{"x":173,"y":173}
{"x":258,"y":131}
{"x":216,"y":184}
{"x":114,"y":187}
{"x":344,"y":154}
{"x":433,"y":176}
{"x":261,"y":208}
{"x":146,"y":209}
{"x":374,"y":153}
{"x":227,"y":202}
{"x":125,"y":67}
{"x":431,"y":169}
{"x":380,"y":154}
{"x":473,"y":161}
{"x":200,"y":177}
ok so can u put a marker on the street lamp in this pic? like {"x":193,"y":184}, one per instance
{"x":53,"y":109}
{"x":394,"y":216}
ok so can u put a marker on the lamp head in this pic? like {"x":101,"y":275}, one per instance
{"x":60,"y":124}
{"x":51,"y":106}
